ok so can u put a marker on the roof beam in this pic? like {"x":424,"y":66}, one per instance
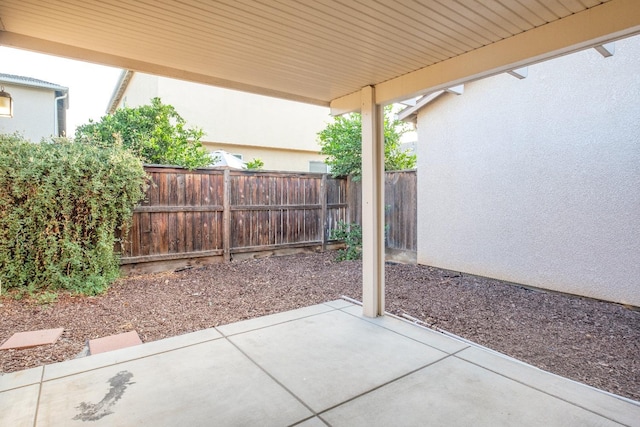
{"x":607,"y":49}
{"x":519,"y":73}
{"x":456,"y":90}
{"x":20,"y":41}
{"x":410,"y":114}
{"x":603,"y":23}
{"x":346,"y":104}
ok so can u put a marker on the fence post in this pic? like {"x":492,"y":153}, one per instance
{"x":226,"y":215}
{"x":323,"y":212}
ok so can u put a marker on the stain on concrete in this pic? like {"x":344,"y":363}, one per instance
{"x":95,"y":411}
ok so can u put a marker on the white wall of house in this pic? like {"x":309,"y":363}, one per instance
{"x":140,"y":90}
{"x":537,"y":181}
{"x":279,"y":132}
{"x":275,"y":158}
{"x":33,"y":112}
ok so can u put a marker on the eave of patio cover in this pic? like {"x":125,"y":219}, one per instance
{"x":592,"y":27}
{"x":591,"y":24}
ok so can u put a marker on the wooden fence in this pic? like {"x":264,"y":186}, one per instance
{"x":400,"y":201}
{"x":210,"y":215}
{"x":207,"y":215}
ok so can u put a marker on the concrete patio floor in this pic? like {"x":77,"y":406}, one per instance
{"x":315,"y":366}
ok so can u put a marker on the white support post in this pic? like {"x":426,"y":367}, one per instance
{"x":372,"y":204}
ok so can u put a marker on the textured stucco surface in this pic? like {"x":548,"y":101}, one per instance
{"x":33,"y":112}
{"x":537,"y":181}
{"x":281,"y":133}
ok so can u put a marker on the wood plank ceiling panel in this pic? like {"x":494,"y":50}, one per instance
{"x":295,"y":29}
{"x":419,"y":15}
{"x":312,"y":49}
{"x":330,"y":21}
{"x":574,"y":6}
{"x":466,"y":10}
{"x":459,"y":23}
{"x":557,"y":8}
{"x":334,"y":47}
{"x":493,"y":16}
{"x":534,"y":15}
{"x":539,"y":9}
{"x":590,"y":3}
{"x":522,"y":20}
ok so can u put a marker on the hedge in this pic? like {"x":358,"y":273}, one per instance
{"x":62,"y":204}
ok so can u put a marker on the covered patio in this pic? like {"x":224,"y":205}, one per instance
{"x":335,"y":363}
{"x":325,"y":364}
{"x":349,"y":56}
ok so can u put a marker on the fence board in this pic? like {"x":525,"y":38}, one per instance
{"x":145,"y":234}
{"x":197,"y":231}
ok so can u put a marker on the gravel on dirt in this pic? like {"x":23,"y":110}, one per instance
{"x":594,"y":342}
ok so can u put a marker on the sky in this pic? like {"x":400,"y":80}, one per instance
{"x":90,"y":85}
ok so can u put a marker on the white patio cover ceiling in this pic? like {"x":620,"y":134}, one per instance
{"x":317,"y":51}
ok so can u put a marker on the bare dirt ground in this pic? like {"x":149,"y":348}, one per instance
{"x":594,"y":342}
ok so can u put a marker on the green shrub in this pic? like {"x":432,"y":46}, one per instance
{"x":255,"y":164}
{"x":62,"y":203}
{"x":351,"y":234}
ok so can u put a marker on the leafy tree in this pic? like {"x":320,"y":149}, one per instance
{"x":155,"y":132}
{"x":341,"y":141}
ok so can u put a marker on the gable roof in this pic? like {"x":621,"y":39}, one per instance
{"x":31,"y":82}
{"x":119,"y":90}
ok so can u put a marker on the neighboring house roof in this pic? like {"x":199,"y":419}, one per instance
{"x":31,"y":82}
{"x":30,"y":116}
{"x":119,"y":90}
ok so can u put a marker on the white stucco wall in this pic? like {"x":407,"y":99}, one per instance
{"x":282,"y":133}
{"x":537,"y":181}
{"x":33,"y":112}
